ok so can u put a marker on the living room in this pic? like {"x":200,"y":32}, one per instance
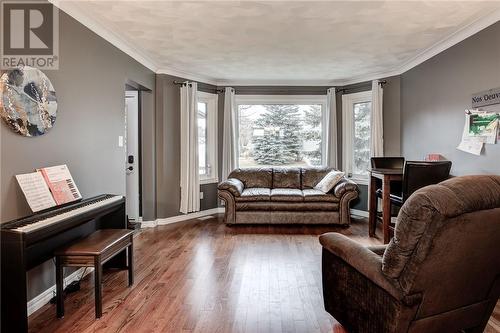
{"x":260,"y":154}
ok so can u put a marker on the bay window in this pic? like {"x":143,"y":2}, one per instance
{"x":356,"y":116}
{"x":207,"y":137}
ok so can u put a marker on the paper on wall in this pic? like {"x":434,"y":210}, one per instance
{"x":470,"y":144}
{"x":471,"y":147}
{"x":483,"y":125}
{"x":36,"y":191}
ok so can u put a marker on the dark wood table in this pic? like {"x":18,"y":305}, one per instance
{"x":387,"y":176}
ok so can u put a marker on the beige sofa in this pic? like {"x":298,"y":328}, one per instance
{"x":285,"y":196}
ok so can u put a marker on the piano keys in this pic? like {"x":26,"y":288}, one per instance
{"x":28,"y":242}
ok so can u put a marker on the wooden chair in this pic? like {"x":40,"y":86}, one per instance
{"x":418,"y":174}
{"x":93,"y":251}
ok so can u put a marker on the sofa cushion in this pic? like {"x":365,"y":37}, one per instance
{"x":329,"y":181}
{"x":312,"y":176}
{"x":254,"y":177}
{"x":254,"y":194}
{"x":286,"y":178}
{"x":312,"y":195}
{"x":280,"y":206}
{"x":286,"y":194}
{"x":253,"y":206}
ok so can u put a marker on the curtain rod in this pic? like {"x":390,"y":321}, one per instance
{"x":182,"y":83}
{"x":342,"y":90}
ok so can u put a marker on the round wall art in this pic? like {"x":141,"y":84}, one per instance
{"x":28,"y":103}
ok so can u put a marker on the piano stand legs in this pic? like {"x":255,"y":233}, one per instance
{"x":59,"y":288}
{"x":98,"y":287}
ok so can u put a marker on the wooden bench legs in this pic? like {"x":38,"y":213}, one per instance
{"x":93,"y":258}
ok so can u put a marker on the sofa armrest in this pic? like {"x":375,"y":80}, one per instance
{"x":362,"y":259}
{"x":233,"y":185}
{"x":343,"y":186}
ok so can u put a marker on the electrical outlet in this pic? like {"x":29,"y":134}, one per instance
{"x":201,"y":195}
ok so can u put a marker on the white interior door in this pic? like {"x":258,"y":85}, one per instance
{"x":132,"y":162}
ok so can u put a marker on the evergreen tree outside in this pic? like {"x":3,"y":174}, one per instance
{"x":361,"y":142}
{"x":280,"y":142}
{"x":312,"y":133}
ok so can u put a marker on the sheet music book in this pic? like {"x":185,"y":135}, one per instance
{"x":61,"y":184}
{"x":48,"y":187}
{"x":36,"y":191}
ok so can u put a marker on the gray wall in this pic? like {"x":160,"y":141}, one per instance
{"x":435,"y":94}
{"x":90,"y":87}
{"x":168,"y":148}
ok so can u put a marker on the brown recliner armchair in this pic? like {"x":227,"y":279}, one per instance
{"x":440,"y":272}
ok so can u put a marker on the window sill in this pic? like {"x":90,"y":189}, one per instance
{"x":208,"y":181}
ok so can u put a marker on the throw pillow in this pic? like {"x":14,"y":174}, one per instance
{"x":329,"y":181}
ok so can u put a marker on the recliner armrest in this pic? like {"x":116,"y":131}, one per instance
{"x":361,"y":258}
{"x":233,"y":185}
{"x":343,"y":186}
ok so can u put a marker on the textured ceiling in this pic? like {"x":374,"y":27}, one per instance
{"x":295,"y":40}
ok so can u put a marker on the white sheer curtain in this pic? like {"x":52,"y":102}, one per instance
{"x":229,"y":134}
{"x":190,"y":177}
{"x":377,"y":120}
{"x":331,"y":121}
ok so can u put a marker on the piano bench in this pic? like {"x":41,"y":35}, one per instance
{"x":93,"y":251}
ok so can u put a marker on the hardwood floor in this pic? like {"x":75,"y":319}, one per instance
{"x":201,"y":276}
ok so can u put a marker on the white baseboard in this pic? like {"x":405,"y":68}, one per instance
{"x":148,"y":224}
{"x":363,"y":213}
{"x":179,"y":218}
{"x":42,"y":299}
{"x":359,"y":212}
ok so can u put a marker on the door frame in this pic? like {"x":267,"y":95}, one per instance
{"x":132,"y":85}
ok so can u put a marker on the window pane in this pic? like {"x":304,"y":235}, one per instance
{"x":361,"y":149}
{"x":202,"y":138}
{"x":280,"y":135}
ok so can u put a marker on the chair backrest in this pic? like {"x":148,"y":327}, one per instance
{"x":418,"y":174}
{"x":446,"y":246}
{"x":387,"y":162}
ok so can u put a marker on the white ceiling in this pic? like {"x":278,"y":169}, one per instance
{"x":283,"y":42}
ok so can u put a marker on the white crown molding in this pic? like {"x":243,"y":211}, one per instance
{"x":451,"y":40}
{"x":107,"y":33}
{"x":329,"y":83}
{"x":188,"y":75}
{"x":78,"y":13}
